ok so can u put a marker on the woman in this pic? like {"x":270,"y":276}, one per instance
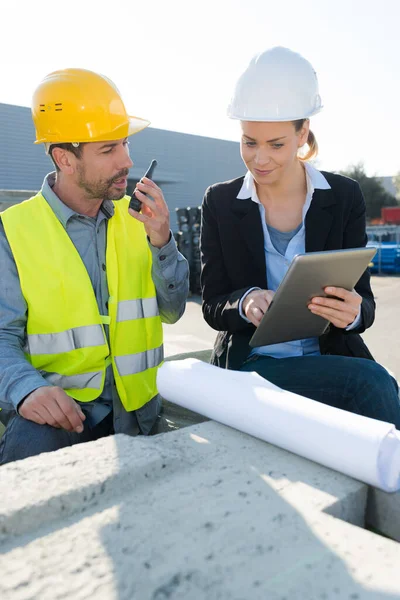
{"x":253,"y":226}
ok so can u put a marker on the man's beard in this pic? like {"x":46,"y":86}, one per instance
{"x":101,"y":189}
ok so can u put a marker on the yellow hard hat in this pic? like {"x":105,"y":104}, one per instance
{"x":76,"y":105}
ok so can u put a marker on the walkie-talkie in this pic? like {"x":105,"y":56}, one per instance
{"x":134,"y":202}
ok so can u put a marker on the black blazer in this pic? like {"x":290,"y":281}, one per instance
{"x":233,"y":261}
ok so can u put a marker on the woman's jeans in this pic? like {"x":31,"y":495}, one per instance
{"x":355,"y":384}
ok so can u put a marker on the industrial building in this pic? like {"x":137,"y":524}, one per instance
{"x":187,"y":164}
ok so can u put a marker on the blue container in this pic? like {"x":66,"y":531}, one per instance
{"x":387,"y":258}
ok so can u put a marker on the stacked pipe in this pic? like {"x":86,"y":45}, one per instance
{"x":188,"y":241}
{"x":387,"y":258}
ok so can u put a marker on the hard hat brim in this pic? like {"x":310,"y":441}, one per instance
{"x":271,"y":119}
{"x":132,"y":126}
{"x":136,"y":124}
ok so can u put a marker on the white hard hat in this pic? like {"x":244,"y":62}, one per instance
{"x":278,"y":85}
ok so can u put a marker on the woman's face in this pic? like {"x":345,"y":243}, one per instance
{"x":269,"y":149}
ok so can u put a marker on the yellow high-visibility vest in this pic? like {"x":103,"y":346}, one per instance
{"x":66,"y":341}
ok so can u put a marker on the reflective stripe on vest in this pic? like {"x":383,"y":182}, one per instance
{"x":137,"y":309}
{"x":85,"y":380}
{"x":131,"y":364}
{"x":66,"y":340}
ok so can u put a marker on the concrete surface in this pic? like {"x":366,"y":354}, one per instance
{"x":201,"y":513}
{"x":383,"y":338}
{"x":383,"y":513}
{"x":191,"y":333}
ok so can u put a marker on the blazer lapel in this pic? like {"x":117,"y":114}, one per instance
{"x":251,"y":230}
{"x":319,"y":220}
{"x":318,"y":223}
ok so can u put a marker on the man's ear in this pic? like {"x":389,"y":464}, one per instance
{"x":64,"y":159}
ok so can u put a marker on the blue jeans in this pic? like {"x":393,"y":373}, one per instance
{"x":23,"y":438}
{"x":355,"y":384}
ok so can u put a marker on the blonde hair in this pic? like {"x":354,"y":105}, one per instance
{"x":311,"y":141}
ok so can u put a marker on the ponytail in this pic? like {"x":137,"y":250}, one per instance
{"x":311,"y":142}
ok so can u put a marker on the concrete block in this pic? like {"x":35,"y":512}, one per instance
{"x":202,"y":512}
{"x":10,"y":197}
{"x":383,"y":513}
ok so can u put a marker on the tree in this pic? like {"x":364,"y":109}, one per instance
{"x":396,"y":182}
{"x":374,"y":193}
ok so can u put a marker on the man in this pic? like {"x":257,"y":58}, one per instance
{"x":86,"y":282}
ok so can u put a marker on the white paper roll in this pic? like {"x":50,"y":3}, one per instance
{"x":363,"y":448}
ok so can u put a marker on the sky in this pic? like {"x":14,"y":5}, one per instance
{"x":176,"y":62}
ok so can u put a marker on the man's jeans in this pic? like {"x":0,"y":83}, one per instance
{"x":23,"y":438}
{"x":355,"y":384}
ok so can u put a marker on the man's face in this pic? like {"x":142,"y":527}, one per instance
{"x":102,"y":170}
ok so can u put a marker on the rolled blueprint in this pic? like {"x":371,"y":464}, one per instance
{"x":363,"y":448}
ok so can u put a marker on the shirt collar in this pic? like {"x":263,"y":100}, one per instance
{"x":315,"y":180}
{"x":61,"y":210}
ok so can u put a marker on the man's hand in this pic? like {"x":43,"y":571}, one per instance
{"x":52,"y":406}
{"x":342,"y":311}
{"x":256,"y":304}
{"x":155,"y":213}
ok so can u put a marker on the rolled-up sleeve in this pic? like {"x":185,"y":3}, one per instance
{"x":170,"y":273}
{"x":18,"y":377}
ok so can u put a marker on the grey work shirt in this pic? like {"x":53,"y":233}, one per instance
{"x":18,"y":377}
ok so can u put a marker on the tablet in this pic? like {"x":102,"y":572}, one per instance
{"x":288,"y":317}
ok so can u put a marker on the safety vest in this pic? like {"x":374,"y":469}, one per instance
{"x":66,"y":341}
